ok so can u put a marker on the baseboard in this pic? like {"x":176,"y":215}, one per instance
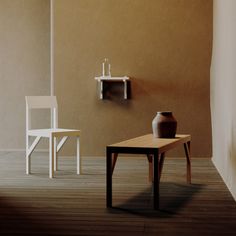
{"x":22,"y":150}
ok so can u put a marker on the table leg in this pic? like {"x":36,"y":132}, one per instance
{"x":150,"y":161}
{"x":156,"y":181}
{"x":149,"y":157}
{"x":109,"y":177}
{"x":187,"y":153}
{"x":161,"y":162}
{"x":114,"y":159}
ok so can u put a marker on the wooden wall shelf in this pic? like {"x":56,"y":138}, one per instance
{"x":102,"y":79}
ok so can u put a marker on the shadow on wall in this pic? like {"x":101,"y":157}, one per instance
{"x":141,"y":87}
{"x":169,"y":87}
{"x":159,"y":92}
{"x":115,"y":90}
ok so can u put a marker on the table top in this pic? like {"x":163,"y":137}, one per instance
{"x":149,"y":141}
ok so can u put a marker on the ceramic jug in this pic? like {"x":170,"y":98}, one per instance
{"x":164,"y":125}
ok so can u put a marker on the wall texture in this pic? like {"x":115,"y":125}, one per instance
{"x":223,"y":84}
{"x":24,"y":64}
{"x":163,"y":45}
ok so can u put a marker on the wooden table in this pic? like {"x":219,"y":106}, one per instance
{"x":154,"y":149}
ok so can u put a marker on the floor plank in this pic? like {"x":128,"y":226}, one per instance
{"x":73,"y":204}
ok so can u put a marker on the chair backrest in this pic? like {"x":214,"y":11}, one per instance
{"x":41,"y":102}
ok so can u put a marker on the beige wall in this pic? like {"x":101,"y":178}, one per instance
{"x":24,"y":64}
{"x":163,"y":45}
{"x":223,"y":96}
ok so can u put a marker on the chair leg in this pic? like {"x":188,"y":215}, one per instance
{"x":29,"y":150}
{"x":78,"y":155}
{"x":55,"y":154}
{"x":28,"y":163}
{"x":28,"y":159}
{"x":51,"y":157}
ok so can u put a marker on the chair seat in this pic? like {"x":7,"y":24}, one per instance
{"x":53,"y":132}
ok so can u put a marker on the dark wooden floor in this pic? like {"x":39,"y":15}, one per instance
{"x":75,"y":205}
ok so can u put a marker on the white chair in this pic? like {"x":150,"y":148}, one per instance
{"x":50,"y":102}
